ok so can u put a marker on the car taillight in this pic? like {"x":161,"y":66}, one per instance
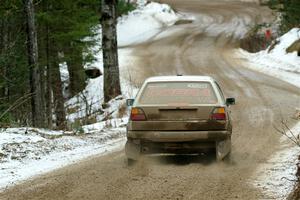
{"x":137,"y":114}
{"x":219,"y":114}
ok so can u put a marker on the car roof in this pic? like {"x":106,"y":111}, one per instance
{"x":179,"y":78}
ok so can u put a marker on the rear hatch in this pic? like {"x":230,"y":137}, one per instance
{"x":178,"y":106}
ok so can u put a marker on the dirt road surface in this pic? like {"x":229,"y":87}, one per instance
{"x":203,"y":47}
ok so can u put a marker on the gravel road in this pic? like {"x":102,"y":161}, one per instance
{"x":203,"y":47}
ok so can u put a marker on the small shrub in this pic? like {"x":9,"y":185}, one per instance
{"x":77,"y":128}
{"x":91,"y":120}
{"x":255,"y":40}
{"x":7,"y":119}
{"x":253,"y":43}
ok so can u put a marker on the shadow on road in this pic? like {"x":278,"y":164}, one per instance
{"x":204,"y":159}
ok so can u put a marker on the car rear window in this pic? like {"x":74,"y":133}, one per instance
{"x":184,"y":93}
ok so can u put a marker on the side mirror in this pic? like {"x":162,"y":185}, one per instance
{"x":129,"y":102}
{"x":230,"y":101}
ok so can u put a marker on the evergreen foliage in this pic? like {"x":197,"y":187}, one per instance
{"x":14,"y":74}
{"x":124,"y":7}
{"x":291,"y":14}
{"x":62,"y":26}
{"x":290,"y":10}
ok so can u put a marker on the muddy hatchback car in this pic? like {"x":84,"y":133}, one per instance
{"x":179,"y":115}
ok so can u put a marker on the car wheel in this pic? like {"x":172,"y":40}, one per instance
{"x":132,"y":151}
{"x":223,"y":149}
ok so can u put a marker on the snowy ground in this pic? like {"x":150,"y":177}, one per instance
{"x":277,"y":177}
{"x":27,"y":152}
{"x":277,"y":62}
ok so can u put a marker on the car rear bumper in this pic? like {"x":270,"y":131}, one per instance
{"x":177,"y":136}
{"x":177,"y":142}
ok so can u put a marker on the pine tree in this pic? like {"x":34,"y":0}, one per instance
{"x":61,"y":26}
{"x":64,"y":24}
{"x":291,"y":14}
{"x":75,"y":67}
{"x":37,"y":101}
{"x":290,"y":10}
{"x":14,"y":71}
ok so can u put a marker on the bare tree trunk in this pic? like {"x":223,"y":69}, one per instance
{"x":110,"y":50}
{"x":57,"y":87}
{"x":37,"y":101}
{"x":3,"y":50}
{"x":48,"y":81}
{"x":6,"y":73}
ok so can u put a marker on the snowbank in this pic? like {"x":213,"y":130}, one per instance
{"x":277,"y":62}
{"x":144,"y":23}
{"x":27,"y":152}
{"x":276,"y":177}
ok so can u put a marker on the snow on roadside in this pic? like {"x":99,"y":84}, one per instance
{"x":276,"y":178}
{"x":28,"y":152}
{"x":277,"y":62}
{"x":144,"y":23}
